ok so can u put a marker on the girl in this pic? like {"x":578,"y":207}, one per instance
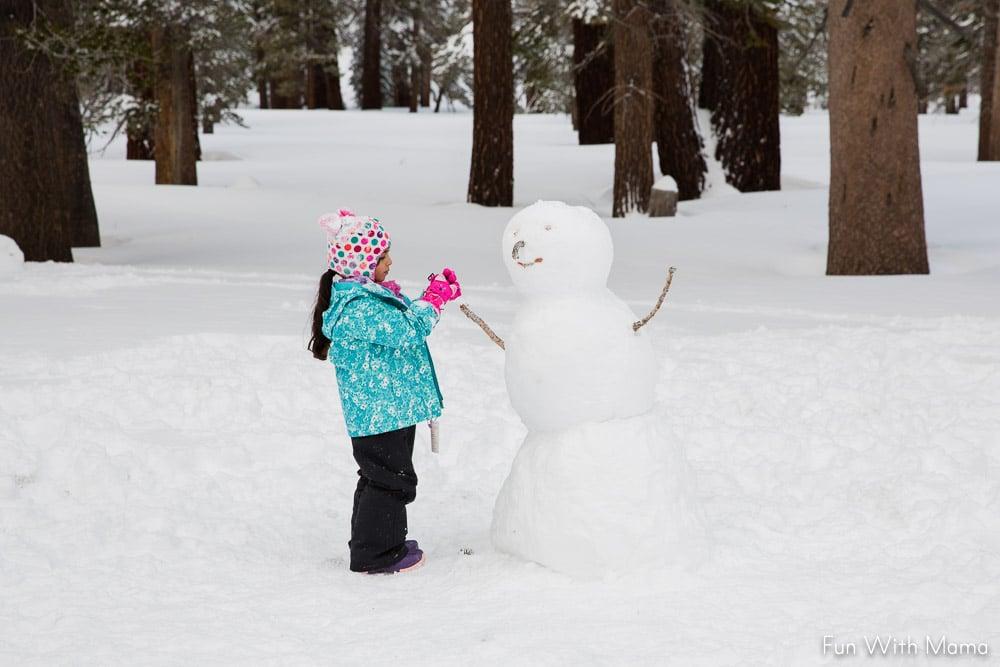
{"x":374,"y":336}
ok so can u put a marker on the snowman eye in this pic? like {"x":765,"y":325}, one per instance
{"x":515,"y":233}
{"x":548,"y":228}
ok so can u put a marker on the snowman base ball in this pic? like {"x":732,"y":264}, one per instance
{"x":596,"y":485}
{"x":600,"y":497}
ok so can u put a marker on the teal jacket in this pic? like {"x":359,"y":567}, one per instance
{"x":384,"y":369}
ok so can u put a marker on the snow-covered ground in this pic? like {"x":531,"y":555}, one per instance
{"x":176,"y":481}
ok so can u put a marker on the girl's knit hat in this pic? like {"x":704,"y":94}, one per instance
{"x":355,"y":243}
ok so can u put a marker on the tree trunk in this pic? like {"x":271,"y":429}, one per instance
{"x":963,"y":98}
{"x":594,"y":82}
{"x":414,"y":87}
{"x":46,"y":203}
{"x":371,"y":61}
{"x":415,"y":78}
{"x":138,"y":130}
{"x":491,"y":177}
{"x":426,"y":72}
{"x":633,"y":106}
{"x":262,"y":92}
{"x":989,"y":84}
{"x":876,"y":201}
{"x":334,"y":99}
{"x":400,"y":85}
{"x":711,"y":57}
{"x":176,"y":156}
{"x":678,"y":143}
{"x":316,"y":93}
{"x":193,"y":105}
{"x":745,"y":117}
{"x":950,"y":104}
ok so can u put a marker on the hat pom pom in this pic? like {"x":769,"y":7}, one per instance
{"x":331,"y":223}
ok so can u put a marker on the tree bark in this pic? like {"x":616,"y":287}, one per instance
{"x":138,"y":130}
{"x":426,"y":72}
{"x":262,"y":92}
{"x":176,"y":150}
{"x":678,"y":143}
{"x":316,"y":97}
{"x":745,"y":117}
{"x":46,"y":203}
{"x":708,"y":90}
{"x":415,"y":78}
{"x":371,"y":61}
{"x":491,"y":176}
{"x":989,"y":84}
{"x":876,"y":201}
{"x":400,"y":85}
{"x":593,"y":82}
{"x":193,"y":105}
{"x":334,"y":98}
{"x":633,"y":106}
{"x":414,"y":87}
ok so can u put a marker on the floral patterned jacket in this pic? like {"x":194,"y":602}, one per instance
{"x":384,"y":369}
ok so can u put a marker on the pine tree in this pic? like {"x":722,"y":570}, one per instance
{"x":876,"y":201}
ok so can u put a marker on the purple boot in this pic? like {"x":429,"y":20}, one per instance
{"x":411,"y":544}
{"x":413,"y":559}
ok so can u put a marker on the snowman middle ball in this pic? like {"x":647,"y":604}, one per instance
{"x":572,"y":356}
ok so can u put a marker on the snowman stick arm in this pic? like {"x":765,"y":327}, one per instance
{"x":659,"y":301}
{"x":482,"y":325}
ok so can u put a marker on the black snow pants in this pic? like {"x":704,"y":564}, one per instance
{"x":387,"y":484}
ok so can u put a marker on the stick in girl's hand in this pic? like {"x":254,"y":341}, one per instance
{"x":482,"y":325}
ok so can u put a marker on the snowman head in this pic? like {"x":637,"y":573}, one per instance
{"x":553,"y":247}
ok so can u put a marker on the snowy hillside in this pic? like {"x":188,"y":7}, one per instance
{"x":176,"y":480}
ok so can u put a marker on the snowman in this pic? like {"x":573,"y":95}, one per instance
{"x":597,"y":485}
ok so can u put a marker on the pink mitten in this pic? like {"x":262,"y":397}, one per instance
{"x":443,"y":288}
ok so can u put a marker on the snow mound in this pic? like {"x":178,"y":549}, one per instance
{"x":666,"y":183}
{"x":601,"y":497}
{"x":11,"y":257}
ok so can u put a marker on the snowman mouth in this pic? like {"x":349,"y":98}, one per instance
{"x":515,"y":253}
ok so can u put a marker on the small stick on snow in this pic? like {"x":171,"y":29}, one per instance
{"x":482,"y":325}
{"x":659,"y":302}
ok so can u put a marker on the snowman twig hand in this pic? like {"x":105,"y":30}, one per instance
{"x":482,"y":325}
{"x":659,"y":302}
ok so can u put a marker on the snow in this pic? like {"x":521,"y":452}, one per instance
{"x":666,"y":183}
{"x":175,"y":479}
{"x":11,"y":257}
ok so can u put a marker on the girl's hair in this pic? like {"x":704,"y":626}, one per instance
{"x":319,"y":344}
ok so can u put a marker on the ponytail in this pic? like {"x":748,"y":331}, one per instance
{"x":319,"y":344}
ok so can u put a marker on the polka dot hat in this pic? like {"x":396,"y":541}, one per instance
{"x":354,"y":243}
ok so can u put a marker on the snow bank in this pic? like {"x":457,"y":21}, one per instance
{"x":11,"y":257}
